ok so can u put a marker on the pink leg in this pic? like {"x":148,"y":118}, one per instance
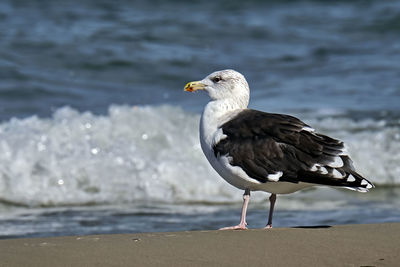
{"x":242,"y":225}
{"x":272,"y":200}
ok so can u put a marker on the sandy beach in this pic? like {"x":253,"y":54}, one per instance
{"x":342,"y":245}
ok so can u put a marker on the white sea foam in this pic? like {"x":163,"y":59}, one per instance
{"x":145,"y":153}
{"x":133,"y":153}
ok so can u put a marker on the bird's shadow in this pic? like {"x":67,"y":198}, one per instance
{"x":313,"y":226}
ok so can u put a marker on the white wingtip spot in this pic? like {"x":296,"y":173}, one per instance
{"x":336,"y":163}
{"x":323,"y":170}
{"x":351,"y":178}
{"x":369,"y":186}
{"x":275,"y":176}
{"x":364,"y":182}
{"x":314,"y":168}
{"x":308,"y":129}
{"x":337,"y":174}
{"x":318,"y":168}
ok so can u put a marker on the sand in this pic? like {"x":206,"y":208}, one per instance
{"x":344,"y":245}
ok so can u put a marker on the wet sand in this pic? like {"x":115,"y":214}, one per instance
{"x":343,"y":245}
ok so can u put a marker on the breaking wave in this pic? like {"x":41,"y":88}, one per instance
{"x":147,"y":153}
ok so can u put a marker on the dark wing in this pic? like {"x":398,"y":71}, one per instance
{"x":266,"y":143}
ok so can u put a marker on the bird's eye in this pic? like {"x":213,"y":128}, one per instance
{"x":216,"y":79}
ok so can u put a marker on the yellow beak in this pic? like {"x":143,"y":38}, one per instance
{"x":194,"y":86}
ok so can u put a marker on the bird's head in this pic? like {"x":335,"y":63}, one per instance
{"x":223,"y":85}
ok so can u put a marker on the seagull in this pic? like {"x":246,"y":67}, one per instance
{"x":259,"y":151}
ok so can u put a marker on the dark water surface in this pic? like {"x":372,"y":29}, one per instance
{"x":296,"y":54}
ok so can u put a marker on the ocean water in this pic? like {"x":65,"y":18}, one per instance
{"x":97,"y":135}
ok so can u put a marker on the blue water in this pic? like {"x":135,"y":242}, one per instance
{"x":97,"y":135}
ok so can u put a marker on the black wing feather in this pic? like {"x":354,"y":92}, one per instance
{"x":265,"y":143}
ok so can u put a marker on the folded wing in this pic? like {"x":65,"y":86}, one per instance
{"x":274,"y":147}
